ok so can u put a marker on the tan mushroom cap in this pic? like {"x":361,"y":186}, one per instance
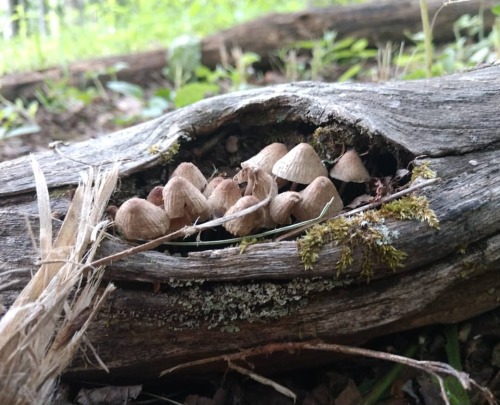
{"x":314,"y":198}
{"x":140,"y":219}
{"x":223,"y":197}
{"x":267,"y":157}
{"x":301,"y":165}
{"x":181,"y":197}
{"x":192,"y":174}
{"x":281,"y":206}
{"x":243,"y":226}
{"x":155,"y":196}
{"x":350,"y":168}
{"x":258,"y":183}
{"x":212,"y":184}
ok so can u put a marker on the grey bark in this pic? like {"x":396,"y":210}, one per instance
{"x":265,"y":295}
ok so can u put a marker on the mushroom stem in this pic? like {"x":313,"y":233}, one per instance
{"x":342,"y":187}
{"x":293,"y":187}
{"x":250,"y":183}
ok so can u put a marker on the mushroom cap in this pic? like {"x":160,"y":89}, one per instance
{"x":244,"y":225}
{"x":191,"y":173}
{"x":258,"y":182}
{"x":267,"y":157}
{"x":350,"y":168}
{"x":314,"y":198}
{"x":223,"y":197}
{"x":301,"y":165}
{"x":181,"y":197}
{"x":155,"y":196}
{"x":212,"y":184}
{"x":140,"y":219}
{"x":281,"y":206}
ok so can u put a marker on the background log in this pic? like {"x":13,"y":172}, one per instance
{"x":379,"y":22}
{"x":229,"y":300}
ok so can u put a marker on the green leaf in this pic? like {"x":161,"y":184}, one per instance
{"x":184,"y":53}
{"x":156,"y":107}
{"x":193,"y":92}
{"x":163,"y":93}
{"x":350,"y":73}
{"x":359,"y":45}
{"x":496,"y":9}
{"x":24,"y":130}
{"x":125,"y":88}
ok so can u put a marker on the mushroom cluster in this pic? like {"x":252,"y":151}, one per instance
{"x":188,"y":197}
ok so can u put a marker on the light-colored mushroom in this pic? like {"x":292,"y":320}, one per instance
{"x":258,"y":182}
{"x":212,"y":184}
{"x":155,"y":196}
{"x":244,"y":225}
{"x":350,"y":168}
{"x":140,"y":219}
{"x":281,"y":206}
{"x":301,"y":165}
{"x":314,"y":198}
{"x":181,"y":197}
{"x":223,"y":197}
{"x":267,"y":157}
{"x":192,"y":174}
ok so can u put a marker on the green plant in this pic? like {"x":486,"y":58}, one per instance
{"x":327,"y":53}
{"x":57,"y":96}
{"x":145,"y":107}
{"x":17,"y":118}
{"x":120,"y":27}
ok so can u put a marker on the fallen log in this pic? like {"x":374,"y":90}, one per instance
{"x":379,"y":22}
{"x":217,"y":300}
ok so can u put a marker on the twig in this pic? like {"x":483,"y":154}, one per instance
{"x":367,"y":207}
{"x":259,"y":235}
{"x":433,"y":367}
{"x":263,"y":380}
{"x":181,"y":233}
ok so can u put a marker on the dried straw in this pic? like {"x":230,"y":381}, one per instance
{"x":43,"y":329}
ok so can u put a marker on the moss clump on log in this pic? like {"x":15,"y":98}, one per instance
{"x":367,"y":232}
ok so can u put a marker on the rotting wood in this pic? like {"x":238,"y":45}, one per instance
{"x":264,"y":295}
{"x":379,"y":22}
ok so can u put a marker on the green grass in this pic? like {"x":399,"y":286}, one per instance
{"x":110,"y":29}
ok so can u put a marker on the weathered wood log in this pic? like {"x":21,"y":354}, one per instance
{"x":219,"y":300}
{"x":379,"y":22}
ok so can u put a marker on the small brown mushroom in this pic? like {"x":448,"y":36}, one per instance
{"x":281,"y":206}
{"x":155,"y":196}
{"x":267,"y":157}
{"x":192,"y":174}
{"x":223,"y":197}
{"x":314,"y":198}
{"x":258,"y":182}
{"x":212,"y":184}
{"x":183,"y":198}
{"x":301,"y":165}
{"x":141,"y":219}
{"x":244,"y":225}
{"x":350,"y":168}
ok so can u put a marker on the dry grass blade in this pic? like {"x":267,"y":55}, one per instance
{"x":43,"y":329}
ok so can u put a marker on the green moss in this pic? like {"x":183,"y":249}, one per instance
{"x":247,"y":242}
{"x":411,"y":207}
{"x":423,"y":170}
{"x":167,"y":155}
{"x":365,"y":232}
